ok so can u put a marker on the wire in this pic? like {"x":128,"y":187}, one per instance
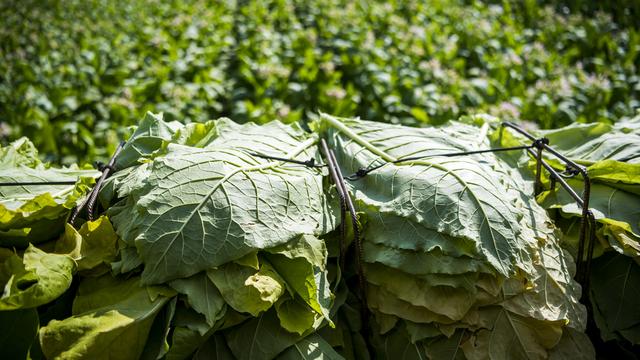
{"x":308,"y":163}
{"x":362,"y":172}
{"x":37,"y":183}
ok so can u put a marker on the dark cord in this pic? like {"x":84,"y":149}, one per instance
{"x":308,"y":163}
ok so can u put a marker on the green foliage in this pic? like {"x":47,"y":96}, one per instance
{"x":76,"y":73}
{"x":205,"y":249}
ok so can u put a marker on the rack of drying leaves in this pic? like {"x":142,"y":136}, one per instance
{"x":535,"y":148}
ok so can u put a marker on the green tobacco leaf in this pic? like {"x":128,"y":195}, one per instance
{"x":611,"y":155}
{"x":388,"y":303}
{"x":23,"y":209}
{"x":188,"y":318}
{"x":595,"y":142}
{"x":615,"y":295}
{"x":396,"y":346}
{"x":573,"y":345}
{"x":553,"y":296}
{"x":447,"y":348}
{"x":260,"y":338}
{"x":444,"y":300}
{"x":418,"y":263}
{"x":112,"y":319}
{"x":199,"y":208}
{"x":611,"y":209}
{"x":184,"y":343}
{"x":435,"y":221}
{"x":418,"y":332}
{"x":612,"y":171}
{"x":129,"y":261}
{"x":93,"y":246}
{"x":248,"y":290}
{"x":157,"y":344}
{"x":21,"y":152}
{"x":202,"y":296}
{"x":36,"y":279}
{"x":461,"y":196}
{"x":214,"y":348}
{"x":295,"y":316}
{"x":153,"y":131}
{"x":18,"y":330}
{"x":513,"y":337}
{"x":302,"y":264}
{"x":401,"y":233}
{"x":311,"y":347}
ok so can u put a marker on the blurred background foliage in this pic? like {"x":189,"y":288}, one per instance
{"x":74,"y":74}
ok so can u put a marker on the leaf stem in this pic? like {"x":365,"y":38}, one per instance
{"x":364,"y":143}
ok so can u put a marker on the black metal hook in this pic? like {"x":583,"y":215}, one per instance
{"x":587,"y":222}
{"x":90,"y":200}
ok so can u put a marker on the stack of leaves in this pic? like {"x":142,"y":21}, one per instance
{"x":32,"y":211}
{"x":611,"y":155}
{"x":218,"y":248}
{"x":457,"y":254}
{"x":36,"y":210}
{"x":218,"y":240}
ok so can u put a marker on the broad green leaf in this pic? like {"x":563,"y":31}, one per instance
{"x":18,"y":331}
{"x":418,"y":263}
{"x":152,"y":132}
{"x":146,"y":139}
{"x":447,"y":348}
{"x":311,"y":347}
{"x":295,"y":316}
{"x":401,"y":233}
{"x":190,"y":319}
{"x":612,"y":172}
{"x":36,"y":279}
{"x":21,"y":152}
{"x":595,"y":142}
{"x":202,"y":296}
{"x":93,"y":246}
{"x":418,"y":332}
{"x":112,"y":319}
{"x":260,"y":338}
{"x":128,"y":261}
{"x":444,"y":300}
{"x":611,"y":209}
{"x":388,"y":303}
{"x":302,"y":265}
{"x":200,"y":208}
{"x":513,"y":337}
{"x":249,"y":260}
{"x":248,"y":290}
{"x":157,"y":344}
{"x":23,"y":209}
{"x":610,"y":154}
{"x":184,"y":342}
{"x":214,"y":348}
{"x":573,"y":345}
{"x":553,"y":296}
{"x":396,"y":346}
{"x":385,"y":322}
{"x":615,"y":285}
